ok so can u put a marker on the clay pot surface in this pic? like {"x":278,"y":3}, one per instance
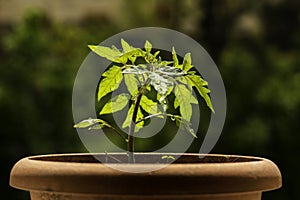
{"x":190,"y":177}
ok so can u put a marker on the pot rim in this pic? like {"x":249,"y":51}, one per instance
{"x":257,"y":175}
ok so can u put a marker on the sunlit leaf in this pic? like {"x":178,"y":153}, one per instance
{"x":148,"y":105}
{"x":91,"y":122}
{"x":148,"y":87}
{"x":136,"y":69}
{"x":168,"y":157}
{"x":115,"y":104}
{"x":148,"y":46}
{"x":126,"y":47}
{"x":131,"y":83}
{"x":96,"y":127}
{"x":165,"y":63}
{"x":160,"y":83}
{"x":156,"y":54}
{"x":182,"y":79}
{"x":175,"y":59}
{"x":113,"y":77}
{"x":139,"y":117}
{"x":187,"y":62}
{"x":183,"y":99}
{"x":187,"y":127}
{"x":170,"y":71}
{"x":113,"y":47}
{"x":162,"y":99}
{"x":132,"y":54}
{"x":200,"y":84}
{"x":109,"y":53}
{"x":128,"y":119}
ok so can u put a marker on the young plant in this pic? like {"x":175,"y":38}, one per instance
{"x":143,"y":70}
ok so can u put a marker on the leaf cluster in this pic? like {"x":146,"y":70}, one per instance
{"x":153,"y":73}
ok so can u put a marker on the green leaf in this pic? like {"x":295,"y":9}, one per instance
{"x":161,"y":97}
{"x":159,"y":83}
{"x":183,"y":99}
{"x":113,"y":47}
{"x":139,"y":69}
{"x":165,"y":63}
{"x":194,"y":80}
{"x":182,"y":79}
{"x":128,"y":119}
{"x":187,"y":127}
{"x":132,"y":54}
{"x":139,"y":117}
{"x":168,"y":157}
{"x":193,"y":99}
{"x":156,"y":54}
{"x":131,"y":83}
{"x":187,"y":62}
{"x":96,"y":127}
{"x":191,"y":131}
{"x":91,"y":122}
{"x":148,"y":46}
{"x":148,"y":105}
{"x":148,"y":87}
{"x":185,"y":81}
{"x":115,"y":104}
{"x":113,"y":77}
{"x":109,"y":53}
{"x":126,"y":47}
{"x":175,"y":59}
{"x":199,"y":83}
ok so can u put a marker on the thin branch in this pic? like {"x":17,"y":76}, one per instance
{"x":159,"y":114}
{"x":119,"y":133}
{"x":114,"y":129}
{"x":109,"y":156}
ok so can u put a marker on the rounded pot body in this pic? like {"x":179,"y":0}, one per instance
{"x":191,"y":177}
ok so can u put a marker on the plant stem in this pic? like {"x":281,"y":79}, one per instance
{"x":159,"y":114}
{"x":130,"y":140}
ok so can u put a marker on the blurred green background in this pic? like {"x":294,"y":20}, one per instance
{"x":255,"y":44}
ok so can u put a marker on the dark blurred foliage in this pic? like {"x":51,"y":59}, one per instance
{"x":39,"y":62}
{"x":255,"y":44}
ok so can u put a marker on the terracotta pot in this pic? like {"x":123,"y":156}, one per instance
{"x":81,"y":176}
